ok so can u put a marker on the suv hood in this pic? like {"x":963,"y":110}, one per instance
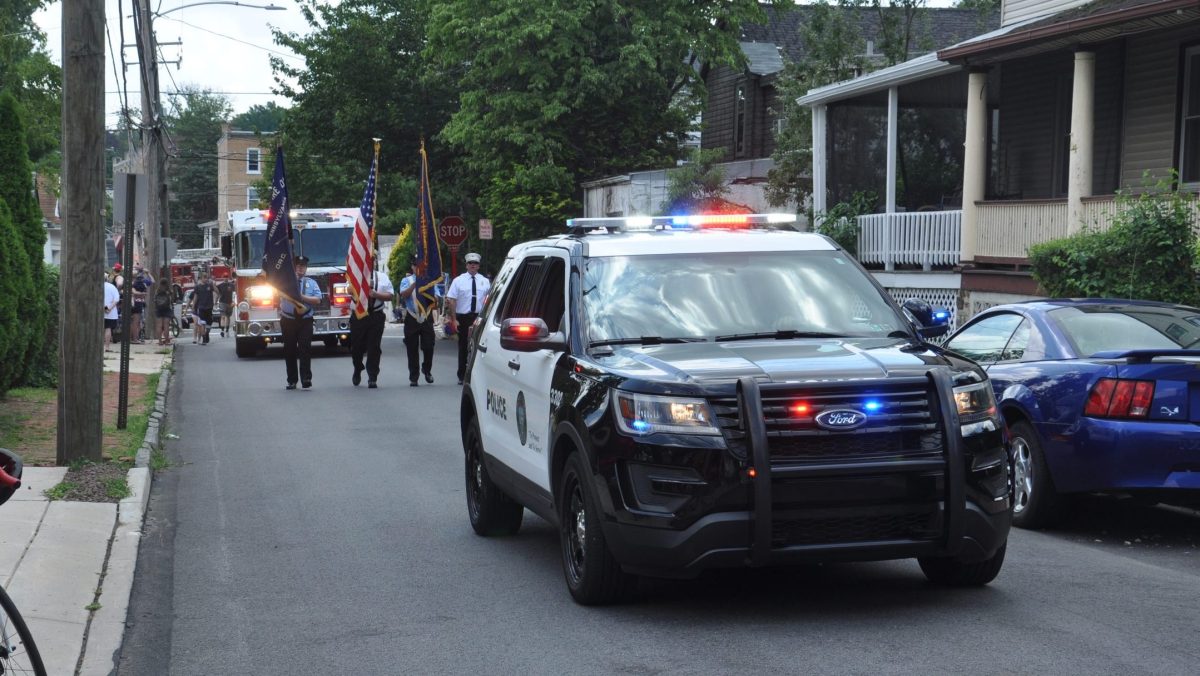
{"x":774,"y":360}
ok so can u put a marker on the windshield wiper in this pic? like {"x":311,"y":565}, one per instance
{"x":787,"y":334}
{"x":646,"y":340}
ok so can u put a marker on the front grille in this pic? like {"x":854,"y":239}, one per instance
{"x":322,"y":281}
{"x":904,"y":424}
{"x":865,"y":528}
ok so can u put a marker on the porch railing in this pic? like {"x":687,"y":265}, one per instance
{"x":1008,"y":229}
{"x":925,"y":238}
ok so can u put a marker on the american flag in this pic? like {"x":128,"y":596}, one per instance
{"x":360,"y":260}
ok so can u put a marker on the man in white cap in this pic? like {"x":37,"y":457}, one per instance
{"x":464,"y":300}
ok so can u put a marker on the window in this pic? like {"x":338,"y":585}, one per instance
{"x":1189,"y":124}
{"x":253,"y":166}
{"x":523,"y":291}
{"x":984,"y":341}
{"x":739,"y":121}
{"x":251,"y":197}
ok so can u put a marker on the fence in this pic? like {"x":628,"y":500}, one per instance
{"x":925,"y":238}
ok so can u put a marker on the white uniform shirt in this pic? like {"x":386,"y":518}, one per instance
{"x":460,"y":291}
{"x":382,"y":285}
{"x":112,"y":297}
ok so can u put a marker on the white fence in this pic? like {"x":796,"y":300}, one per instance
{"x":925,"y":238}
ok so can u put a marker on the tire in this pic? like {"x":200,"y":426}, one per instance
{"x":1036,"y":503}
{"x":593,"y":576}
{"x":331,"y":342}
{"x":18,"y":652}
{"x":174,"y":326}
{"x":954,"y":573}
{"x":246,"y":348}
{"x":492,"y":513}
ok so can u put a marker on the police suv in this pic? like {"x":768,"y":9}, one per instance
{"x":684,"y":393}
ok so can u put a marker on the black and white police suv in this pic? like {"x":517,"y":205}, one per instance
{"x":677,"y":394}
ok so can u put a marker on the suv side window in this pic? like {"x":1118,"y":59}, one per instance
{"x":552,"y":302}
{"x":522,"y":293}
{"x":984,"y":342}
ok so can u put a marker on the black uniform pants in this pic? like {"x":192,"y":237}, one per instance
{"x":366,"y":336}
{"x":297,"y":343}
{"x":464,"y":333}
{"x":418,"y":336}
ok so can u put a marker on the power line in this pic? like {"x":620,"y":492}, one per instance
{"x":230,"y":37}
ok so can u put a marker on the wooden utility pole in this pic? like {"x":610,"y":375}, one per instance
{"x":154,"y":155}
{"x":81,"y":289}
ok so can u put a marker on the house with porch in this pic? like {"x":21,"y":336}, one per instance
{"x":1067,"y":103}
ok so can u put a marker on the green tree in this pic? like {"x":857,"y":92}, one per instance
{"x":16,"y":292}
{"x":696,"y":185}
{"x":194,"y":122}
{"x":559,"y":92}
{"x":28,"y":73}
{"x":364,"y":76}
{"x":260,"y":118}
{"x":16,"y":192}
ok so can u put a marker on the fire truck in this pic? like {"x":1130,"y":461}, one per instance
{"x":323,"y":235}
{"x":188,"y":262}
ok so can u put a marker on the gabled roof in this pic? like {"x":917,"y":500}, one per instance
{"x":762,"y":58}
{"x":47,"y":202}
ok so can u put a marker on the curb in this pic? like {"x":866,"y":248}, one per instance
{"x":106,"y":629}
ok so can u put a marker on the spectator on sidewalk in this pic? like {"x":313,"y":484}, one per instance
{"x":164,"y":310}
{"x":112,"y":298}
{"x":139,"y":288}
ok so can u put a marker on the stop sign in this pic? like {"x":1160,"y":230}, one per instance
{"x":452,"y":231}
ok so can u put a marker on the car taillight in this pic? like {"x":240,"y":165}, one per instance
{"x":1119,"y":398}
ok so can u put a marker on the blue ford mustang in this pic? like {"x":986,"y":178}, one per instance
{"x":1100,"y":395}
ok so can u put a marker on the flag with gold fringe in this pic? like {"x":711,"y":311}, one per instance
{"x":427,"y":251}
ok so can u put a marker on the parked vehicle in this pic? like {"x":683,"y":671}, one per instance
{"x":1100,"y":395}
{"x":683,"y":393}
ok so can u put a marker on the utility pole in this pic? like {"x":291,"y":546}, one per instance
{"x":154,"y":156}
{"x":81,"y":291}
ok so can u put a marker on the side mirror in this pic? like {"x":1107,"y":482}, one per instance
{"x":530,"y":334}
{"x":227,"y":246}
{"x":931,"y":322}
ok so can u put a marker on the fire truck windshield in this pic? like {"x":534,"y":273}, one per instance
{"x":325,"y":247}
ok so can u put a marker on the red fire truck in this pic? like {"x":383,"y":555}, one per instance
{"x":323,"y":235}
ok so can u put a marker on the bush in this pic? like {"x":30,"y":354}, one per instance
{"x":43,"y":369}
{"x":840,"y":222}
{"x":16,"y":290}
{"x":1149,"y":253}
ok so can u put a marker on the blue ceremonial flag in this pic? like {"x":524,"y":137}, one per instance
{"x":277,"y":251}
{"x":428,"y":252}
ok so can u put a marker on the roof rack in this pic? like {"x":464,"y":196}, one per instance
{"x":582,"y":226}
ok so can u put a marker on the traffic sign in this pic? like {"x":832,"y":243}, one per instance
{"x":452,"y":231}
{"x":485,"y":228}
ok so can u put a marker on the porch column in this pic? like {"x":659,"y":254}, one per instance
{"x":819,"y":159}
{"x":893,"y":114}
{"x":1079,"y":165}
{"x":974,"y":162}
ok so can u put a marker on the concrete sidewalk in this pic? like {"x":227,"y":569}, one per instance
{"x":69,"y":566}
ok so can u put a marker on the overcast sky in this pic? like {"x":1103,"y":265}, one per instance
{"x":225,"y":49}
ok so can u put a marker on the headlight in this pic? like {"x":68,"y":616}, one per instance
{"x":640,"y":414}
{"x":262,"y":292}
{"x":975,"y":402}
{"x":342,"y":289}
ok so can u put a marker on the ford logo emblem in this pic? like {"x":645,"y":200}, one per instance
{"x":841,"y":419}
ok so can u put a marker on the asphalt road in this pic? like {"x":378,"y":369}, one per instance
{"x":325,"y":531}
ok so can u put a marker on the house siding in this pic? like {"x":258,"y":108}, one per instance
{"x":1152,"y":85}
{"x":719,"y":111}
{"x":1013,"y":11}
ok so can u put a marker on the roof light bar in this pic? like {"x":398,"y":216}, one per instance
{"x":683,"y":222}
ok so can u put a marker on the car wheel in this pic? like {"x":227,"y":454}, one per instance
{"x":952,"y":572}
{"x":1036,"y":503}
{"x":490,"y":510}
{"x":593,"y":576}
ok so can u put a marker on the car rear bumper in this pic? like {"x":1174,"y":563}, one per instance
{"x":1117,"y":455}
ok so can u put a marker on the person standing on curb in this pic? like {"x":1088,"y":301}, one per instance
{"x":366,"y":334}
{"x":112,"y":298}
{"x":464,"y":300}
{"x":142,"y":282}
{"x":296,"y":325}
{"x":418,"y":330}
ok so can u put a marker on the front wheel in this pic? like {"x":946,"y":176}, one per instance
{"x":18,"y":652}
{"x":593,"y":576}
{"x":955,"y":573}
{"x":490,"y":510}
{"x":246,"y":347}
{"x":174,"y":326}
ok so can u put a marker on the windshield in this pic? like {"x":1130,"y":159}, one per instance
{"x":1105,"y":328}
{"x":326,"y":247}
{"x":728,"y":294}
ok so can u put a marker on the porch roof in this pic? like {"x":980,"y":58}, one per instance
{"x":1095,"y":22}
